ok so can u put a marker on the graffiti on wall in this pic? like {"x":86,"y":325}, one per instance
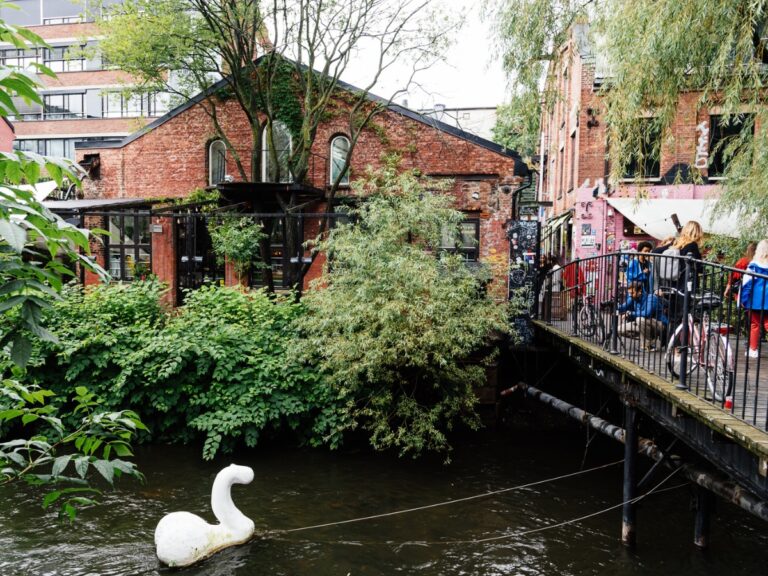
{"x":702,"y":146}
{"x":523,"y":265}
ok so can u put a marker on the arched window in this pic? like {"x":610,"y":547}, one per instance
{"x":217,"y":162}
{"x":339,"y":153}
{"x":279,"y":171}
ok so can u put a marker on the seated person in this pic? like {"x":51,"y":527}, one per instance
{"x":641,"y":267}
{"x":643,"y":315}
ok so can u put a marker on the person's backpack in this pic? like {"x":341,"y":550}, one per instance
{"x":669,"y":268}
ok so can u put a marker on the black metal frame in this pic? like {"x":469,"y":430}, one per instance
{"x":709,"y":362}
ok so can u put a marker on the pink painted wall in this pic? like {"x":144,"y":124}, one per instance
{"x":598,"y":228}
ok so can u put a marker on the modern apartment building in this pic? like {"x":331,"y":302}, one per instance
{"x":86,"y":101}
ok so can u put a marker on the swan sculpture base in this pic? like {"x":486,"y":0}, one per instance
{"x":183,"y":538}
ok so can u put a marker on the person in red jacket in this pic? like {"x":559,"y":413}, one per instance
{"x":734,"y":279}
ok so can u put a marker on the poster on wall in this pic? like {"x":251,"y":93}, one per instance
{"x":586,"y":230}
{"x":524,"y":239}
{"x":588,"y":240}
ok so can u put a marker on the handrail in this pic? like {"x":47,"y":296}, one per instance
{"x":664,"y":316}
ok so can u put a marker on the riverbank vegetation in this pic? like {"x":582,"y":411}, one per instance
{"x":381,"y":344}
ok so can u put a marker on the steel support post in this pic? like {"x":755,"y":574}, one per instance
{"x":630,"y":476}
{"x":703,"y":514}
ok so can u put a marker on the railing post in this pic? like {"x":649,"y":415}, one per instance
{"x":683,"y":377}
{"x":548,"y":300}
{"x":575,"y":298}
{"x":614,"y":312}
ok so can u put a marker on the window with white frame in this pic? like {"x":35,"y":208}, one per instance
{"x":276,"y":153}
{"x":217,"y":162}
{"x":59,"y":60}
{"x":339,"y":153}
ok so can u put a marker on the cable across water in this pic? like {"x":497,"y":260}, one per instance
{"x":447,"y":502}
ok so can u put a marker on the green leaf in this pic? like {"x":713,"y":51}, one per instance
{"x":51,"y":497}
{"x":106,"y":469}
{"x":14,"y":234}
{"x":60,"y":464}
{"x":81,"y":466}
{"x":21,"y":351}
{"x":29,"y":417}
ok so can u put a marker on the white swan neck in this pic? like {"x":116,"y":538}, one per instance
{"x":221,"y":503}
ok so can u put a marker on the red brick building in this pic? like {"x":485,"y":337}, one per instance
{"x":7,"y":135}
{"x":178,"y":153}
{"x":589,"y":216}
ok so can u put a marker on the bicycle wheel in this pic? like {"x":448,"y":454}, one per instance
{"x":719,"y":378}
{"x":588,"y":321}
{"x":673,"y":355}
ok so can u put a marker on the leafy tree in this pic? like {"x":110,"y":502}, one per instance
{"x":657,"y":51}
{"x":528,"y":34}
{"x":61,"y":457}
{"x":303,"y":49}
{"x":517,"y":124}
{"x":213,"y":369}
{"x":31,"y":240}
{"x":398,"y":349}
{"x":31,"y":237}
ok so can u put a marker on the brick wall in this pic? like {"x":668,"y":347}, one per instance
{"x":7,"y":136}
{"x":577,"y":109}
{"x":171,"y":161}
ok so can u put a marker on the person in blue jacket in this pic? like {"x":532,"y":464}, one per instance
{"x":640,"y":268}
{"x":754,"y":296}
{"x":643,"y":315}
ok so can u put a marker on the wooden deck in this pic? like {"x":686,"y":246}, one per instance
{"x":745,"y":422}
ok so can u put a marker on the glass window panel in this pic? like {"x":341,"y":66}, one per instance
{"x":115,"y":261}
{"x":646,"y":164}
{"x":144,"y":235}
{"x":724,"y":133}
{"x":133,"y":105}
{"x":281,"y":139}
{"x":61,"y":9}
{"x":56,"y":148}
{"x":217,"y":162}
{"x":339,"y":152}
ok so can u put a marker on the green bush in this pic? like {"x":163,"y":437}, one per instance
{"x":214,"y":368}
{"x":219,"y":367}
{"x":393,"y":321}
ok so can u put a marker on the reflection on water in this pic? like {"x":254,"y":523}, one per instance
{"x":297,"y":488}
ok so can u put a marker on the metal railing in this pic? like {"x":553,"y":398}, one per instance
{"x":674,"y":316}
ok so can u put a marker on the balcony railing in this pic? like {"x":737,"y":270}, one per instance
{"x":676,"y":317}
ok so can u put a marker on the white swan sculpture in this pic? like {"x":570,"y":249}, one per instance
{"x":183,"y":538}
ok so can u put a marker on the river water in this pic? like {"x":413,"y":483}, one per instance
{"x":295,"y":488}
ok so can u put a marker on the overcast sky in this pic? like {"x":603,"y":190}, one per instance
{"x":467,"y":79}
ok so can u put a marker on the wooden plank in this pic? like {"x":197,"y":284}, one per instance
{"x":727,"y":424}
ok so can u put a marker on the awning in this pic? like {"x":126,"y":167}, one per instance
{"x":554,"y":222}
{"x":654,"y":215}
